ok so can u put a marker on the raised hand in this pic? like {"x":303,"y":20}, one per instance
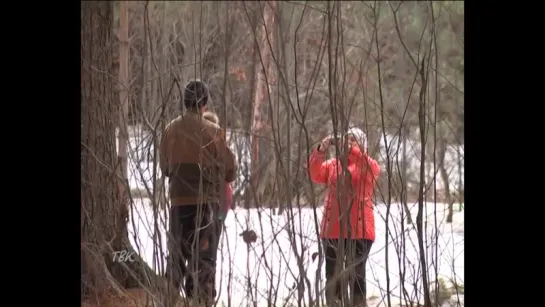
{"x":324,"y":145}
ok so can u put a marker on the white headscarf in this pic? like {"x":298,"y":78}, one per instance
{"x":360,"y":136}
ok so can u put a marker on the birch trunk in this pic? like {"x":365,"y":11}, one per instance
{"x":262,"y":88}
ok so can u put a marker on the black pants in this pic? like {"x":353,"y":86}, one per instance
{"x":352,"y":259}
{"x":193,"y":244}
{"x":219,"y":229}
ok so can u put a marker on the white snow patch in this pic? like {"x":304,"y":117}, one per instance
{"x":271,"y":262}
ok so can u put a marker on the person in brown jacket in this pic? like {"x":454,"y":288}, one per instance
{"x":195,"y":157}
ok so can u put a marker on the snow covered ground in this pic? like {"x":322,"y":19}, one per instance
{"x":271,"y":262}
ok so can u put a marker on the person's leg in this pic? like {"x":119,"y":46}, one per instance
{"x":219,"y":230}
{"x":333,"y":281}
{"x":187,"y":215}
{"x":175,"y":265}
{"x":214,"y":233}
{"x":358,"y":286}
{"x":205,"y":250}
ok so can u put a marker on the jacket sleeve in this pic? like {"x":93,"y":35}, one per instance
{"x":368,"y":162}
{"x":318,"y":167}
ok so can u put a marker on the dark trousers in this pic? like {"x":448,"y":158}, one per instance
{"x":350,"y":256}
{"x":193,"y":244}
{"x":219,"y":229}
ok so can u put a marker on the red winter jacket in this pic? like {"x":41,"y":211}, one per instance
{"x":364,"y":172}
{"x":227,"y":205}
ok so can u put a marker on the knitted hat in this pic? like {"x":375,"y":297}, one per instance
{"x":359,"y":135}
{"x":195,"y":94}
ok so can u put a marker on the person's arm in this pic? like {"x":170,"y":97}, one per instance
{"x":318,"y":166}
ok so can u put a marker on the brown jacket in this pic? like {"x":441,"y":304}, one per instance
{"x":195,"y":156}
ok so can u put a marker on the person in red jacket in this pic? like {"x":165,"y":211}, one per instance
{"x":348,"y":224}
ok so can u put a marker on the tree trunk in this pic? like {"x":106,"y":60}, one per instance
{"x":248,"y":125}
{"x":460,"y":183}
{"x":282,"y":108}
{"x":422,"y":186}
{"x":104,"y":214}
{"x":262,"y":87}
{"x":123,"y":77}
{"x":404,"y":174}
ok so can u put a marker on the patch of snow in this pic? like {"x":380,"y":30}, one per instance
{"x":272,"y":263}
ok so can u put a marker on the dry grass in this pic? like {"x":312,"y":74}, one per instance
{"x":130,"y":298}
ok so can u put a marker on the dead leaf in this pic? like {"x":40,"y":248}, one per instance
{"x":249,"y":236}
